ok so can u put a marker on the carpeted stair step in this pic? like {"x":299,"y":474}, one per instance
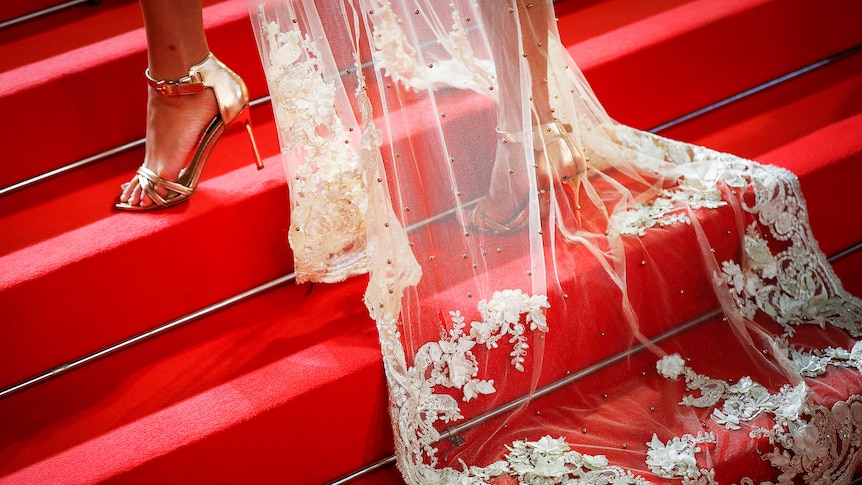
{"x":809,"y":125}
{"x":654,"y":61}
{"x":65,"y":105}
{"x":78,"y":276}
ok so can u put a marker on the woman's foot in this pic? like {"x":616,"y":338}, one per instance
{"x":174,"y":127}
{"x":505,"y":208}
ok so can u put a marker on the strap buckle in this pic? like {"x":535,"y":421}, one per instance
{"x":191,"y":84}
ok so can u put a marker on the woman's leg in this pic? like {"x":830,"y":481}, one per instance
{"x":534,"y":32}
{"x":508,"y":191}
{"x":175,"y":42}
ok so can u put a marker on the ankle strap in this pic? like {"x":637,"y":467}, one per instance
{"x":191,"y":84}
{"x":187,"y":85}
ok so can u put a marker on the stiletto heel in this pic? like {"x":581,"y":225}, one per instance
{"x":232,"y":99}
{"x":244,"y":118}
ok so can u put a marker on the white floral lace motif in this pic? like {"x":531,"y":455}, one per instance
{"x":394,"y":53}
{"x":676,"y":458}
{"x":792,"y":286}
{"x":329,"y":194}
{"x":551,"y":461}
{"x":788,"y":279}
{"x":450,"y":363}
{"x":810,"y":441}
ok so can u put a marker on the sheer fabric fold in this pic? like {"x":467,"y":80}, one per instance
{"x":550,"y":294}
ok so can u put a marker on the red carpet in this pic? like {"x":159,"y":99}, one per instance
{"x":255,"y":393}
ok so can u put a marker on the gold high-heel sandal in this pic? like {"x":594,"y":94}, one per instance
{"x":557,"y":158}
{"x":232,"y":100}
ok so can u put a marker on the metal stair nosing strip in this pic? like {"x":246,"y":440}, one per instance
{"x":6,"y":24}
{"x":214,"y":308}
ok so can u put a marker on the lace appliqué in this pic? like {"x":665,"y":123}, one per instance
{"x":547,"y":461}
{"x":394,"y":53}
{"x":793,"y":284}
{"x":814,"y":363}
{"x":502,"y":316}
{"x":694,"y":189}
{"x":810,"y":441}
{"x":450,"y":363}
{"x":451,"y":360}
{"x":676,"y":458}
{"x":329,"y":195}
{"x":652,"y":151}
{"x":670,"y":207}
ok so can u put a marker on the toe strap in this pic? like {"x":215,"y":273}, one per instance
{"x":150,"y":182}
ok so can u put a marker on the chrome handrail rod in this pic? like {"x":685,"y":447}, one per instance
{"x":45,"y":11}
{"x":367,"y":470}
{"x":757,"y":89}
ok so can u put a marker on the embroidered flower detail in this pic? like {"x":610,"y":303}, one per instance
{"x":697,"y":192}
{"x":329,"y":195}
{"x":551,"y":461}
{"x":501,"y":316}
{"x":676,"y":458}
{"x":791,"y":281}
{"x":452,"y":362}
{"x":670,"y":366}
{"x":809,"y":440}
